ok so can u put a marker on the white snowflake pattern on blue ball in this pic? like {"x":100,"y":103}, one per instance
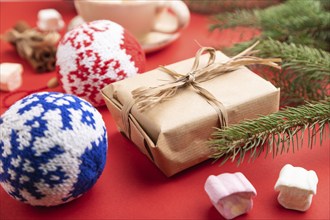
{"x":53,"y":148}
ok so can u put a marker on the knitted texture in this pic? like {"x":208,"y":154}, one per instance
{"x":94,"y":55}
{"x":52,"y":148}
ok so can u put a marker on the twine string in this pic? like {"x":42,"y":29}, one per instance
{"x":146,"y":98}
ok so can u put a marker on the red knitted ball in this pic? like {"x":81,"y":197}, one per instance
{"x":94,"y":55}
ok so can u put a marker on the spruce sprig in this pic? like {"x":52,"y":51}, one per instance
{"x":305,"y":73}
{"x":304,"y":22}
{"x":216,"y":6}
{"x":275,"y":133}
{"x":240,"y":17}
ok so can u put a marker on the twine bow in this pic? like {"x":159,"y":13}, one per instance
{"x":145,"y":98}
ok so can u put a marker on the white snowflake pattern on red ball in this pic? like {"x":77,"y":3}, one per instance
{"x":94,"y":55}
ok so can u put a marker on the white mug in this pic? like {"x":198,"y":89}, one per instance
{"x":139,"y":17}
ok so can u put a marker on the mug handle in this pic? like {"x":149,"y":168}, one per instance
{"x":181,"y":12}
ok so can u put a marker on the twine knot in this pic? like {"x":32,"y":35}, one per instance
{"x":145,"y":98}
{"x":190,"y":77}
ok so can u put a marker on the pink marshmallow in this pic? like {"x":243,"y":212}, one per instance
{"x":10,"y":76}
{"x":231,"y":194}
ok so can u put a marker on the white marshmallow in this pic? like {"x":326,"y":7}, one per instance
{"x":297,"y":187}
{"x":49,"y":20}
{"x":10,"y":76}
{"x":231,"y":194}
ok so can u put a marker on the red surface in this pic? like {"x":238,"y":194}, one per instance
{"x":131,"y":187}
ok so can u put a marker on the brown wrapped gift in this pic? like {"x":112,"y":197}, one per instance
{"x":174,"y":133}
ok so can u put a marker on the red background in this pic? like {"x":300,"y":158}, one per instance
{"x":131,"y":187}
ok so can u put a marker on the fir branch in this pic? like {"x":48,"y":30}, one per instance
{"x":216,"y":6}
{"x":239,"y":17}
{"x":276,"y":133}
{"x":305,"y":23}
{"x":305,"y":74}
{"x":325,"y":4}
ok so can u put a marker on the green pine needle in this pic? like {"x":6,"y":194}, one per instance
{"x":305,"y":71}
{"x":275,"y":133}
{"x":216,"y":6}
{"x":305,"y":74}
{"x":304,"y":22}
{"x":239,"y":17}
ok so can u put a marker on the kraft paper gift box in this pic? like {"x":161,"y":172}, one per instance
{"x":174,"y":133}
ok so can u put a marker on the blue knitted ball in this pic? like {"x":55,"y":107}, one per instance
{"x":52,"y":148}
